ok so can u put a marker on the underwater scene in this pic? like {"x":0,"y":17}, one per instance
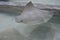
{"x":30,"y":20}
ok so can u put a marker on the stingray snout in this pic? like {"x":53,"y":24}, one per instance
{"x":18,"y":19}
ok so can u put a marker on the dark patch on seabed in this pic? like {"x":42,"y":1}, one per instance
{"x":55,"y":18}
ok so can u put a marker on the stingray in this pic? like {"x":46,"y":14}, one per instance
{"x":32,"y":15}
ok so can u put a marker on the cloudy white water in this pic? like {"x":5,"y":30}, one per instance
{"x":8,"y":20}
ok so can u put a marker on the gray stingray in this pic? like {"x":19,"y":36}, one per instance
{"x":33,"y":15}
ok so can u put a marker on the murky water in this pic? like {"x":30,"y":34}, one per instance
{"x":8,"y":20}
